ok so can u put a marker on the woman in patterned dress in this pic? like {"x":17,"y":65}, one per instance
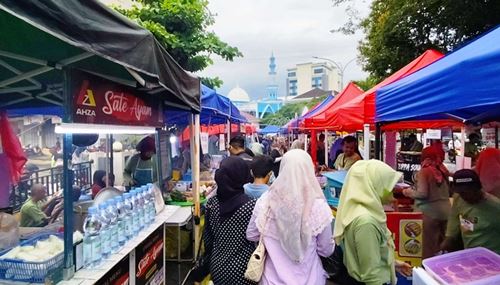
{"x":227,"y":218}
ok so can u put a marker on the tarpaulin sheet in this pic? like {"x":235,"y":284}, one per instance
{"x":215,"y":109}
{"x":319,"y":120}
{"x":463,"y":84}
{"x":271,"y":129}
{"x":351,"y":116}
{"x":52,"y":31}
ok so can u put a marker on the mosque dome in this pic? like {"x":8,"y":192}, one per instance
{"x":237,"y":94}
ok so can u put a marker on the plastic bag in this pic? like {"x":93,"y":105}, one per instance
{"x":9,"y":231}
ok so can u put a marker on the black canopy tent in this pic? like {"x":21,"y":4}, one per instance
{"x":42,"y":41}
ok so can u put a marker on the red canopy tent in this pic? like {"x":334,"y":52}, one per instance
{"x":352,"y":115}
{"x":318,"y":120}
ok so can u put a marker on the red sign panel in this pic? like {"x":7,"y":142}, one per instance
{"x":149,"y":259}
{"x":100,"y":101}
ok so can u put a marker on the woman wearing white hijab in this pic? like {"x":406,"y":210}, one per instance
{"x":295,"y":220}
{"x":360,"y":224}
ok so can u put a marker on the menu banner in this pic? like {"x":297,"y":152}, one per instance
{"x":149,"y":259}
{"x":118,"y":275}
{"x":96,"y":100}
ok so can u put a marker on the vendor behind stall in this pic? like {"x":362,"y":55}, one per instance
{"x":32,"y":214}
{"x":141,"y":167}
{"x":432,"y":199}
{"x":474,"y":215}
{"x":350,"y":154}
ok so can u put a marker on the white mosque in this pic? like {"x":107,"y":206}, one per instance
{"x":259,"y":108}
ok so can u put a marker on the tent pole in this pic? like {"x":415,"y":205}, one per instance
{"x":496,"y":136}
{"x":378,"y":136}
{"x":159,"y":173}
{"x":366,"y":141}
{"x":305,"y":142}
{"x":462,"y":141}
{"x":196,"y":181}
{"x":326,"y":147}
{"x":228,"y":131}
{"x":68,"y":268}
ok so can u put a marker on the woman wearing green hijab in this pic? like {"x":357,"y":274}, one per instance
{"x":360,"y":225}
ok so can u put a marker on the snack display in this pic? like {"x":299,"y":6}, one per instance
{"x":413,"y":246}
{"x":413,"y":229}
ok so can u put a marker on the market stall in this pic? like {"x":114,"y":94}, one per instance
{"x":439,"y":91}
{"x":102,"y":74}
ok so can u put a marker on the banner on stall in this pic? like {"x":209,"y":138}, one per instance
{"x":118,"y":275}
{"x":204,"y":142}
{"x":149,"y":259}
{"x":95,"y":100}
{"x":433,"y":134}
{"x":222,"y":142}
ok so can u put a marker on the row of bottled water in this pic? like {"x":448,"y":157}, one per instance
{"x":108,"y":227}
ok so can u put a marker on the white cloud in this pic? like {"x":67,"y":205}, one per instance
{"x":295,"y":30}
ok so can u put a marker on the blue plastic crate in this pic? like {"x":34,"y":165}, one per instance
{"x":34,"y":272}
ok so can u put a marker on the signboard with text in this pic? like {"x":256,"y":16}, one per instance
{"x":96,"y":100}
{"x":149,"y":260}
{"x":118,"y":275}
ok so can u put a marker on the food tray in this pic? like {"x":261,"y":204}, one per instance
{"x":475,"y":266}
{"x":185,"y":203}
{"x":34,"y":272}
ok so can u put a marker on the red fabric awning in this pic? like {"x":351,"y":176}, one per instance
{"x":352,"y":115}
{"x":319,"y":120}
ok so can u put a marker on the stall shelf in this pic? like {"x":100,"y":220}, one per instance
{"x":169,"y":216}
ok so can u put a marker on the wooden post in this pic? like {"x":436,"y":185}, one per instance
{"x":195,"y":167}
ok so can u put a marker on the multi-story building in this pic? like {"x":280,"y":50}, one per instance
{"x":306,"y":76}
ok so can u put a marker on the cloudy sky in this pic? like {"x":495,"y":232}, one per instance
{"x":295,"y":30}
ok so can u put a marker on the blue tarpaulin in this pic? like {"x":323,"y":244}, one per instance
{"x":464,"y":84}
{"x":215,"y":109}
{"x":271,"y":129}
{"x":295,"y":123}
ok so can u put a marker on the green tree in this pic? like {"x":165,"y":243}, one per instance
{"x":397,"y":31}
{"x":288,"y":112}
{"x":366,"y":83}
{"x":181,"y":26}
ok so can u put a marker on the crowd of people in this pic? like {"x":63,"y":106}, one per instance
{"x":287,"y":212}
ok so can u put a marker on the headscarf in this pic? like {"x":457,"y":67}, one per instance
{"x":297,"y":144}
{"x":430,"y":159}
{"x":257,"y":148}
{"x":146,"y":144}
{"x":366,"y":183}
{"x":290,"y":201}
{"x":488,"y":169}
{"x":98,"y":178}
{"x":232,"y":174}
{"x":438,"y":146}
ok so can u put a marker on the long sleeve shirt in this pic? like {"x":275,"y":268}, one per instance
{"x":366,"y":251}
{"x":279,"y":269}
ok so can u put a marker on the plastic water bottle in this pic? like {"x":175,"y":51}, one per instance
{"x":140,"y":201}
{"x":145,"y":206}
{"x":105,"y":230}
{"x":112,"y":215}
{"x":128,"y":213}
{"x":91,"y":239}
{"x":122,"y":236}
{"x":152,"y":209}
{"x":135,"y":212}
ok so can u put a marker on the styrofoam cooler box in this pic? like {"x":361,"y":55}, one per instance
{"x":474,"y":266}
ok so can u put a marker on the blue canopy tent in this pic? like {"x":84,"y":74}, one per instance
{"x":295,"y":123}
{"x":271,"y":129}
{"x":215,"y":109}
{"x":464,"y":85}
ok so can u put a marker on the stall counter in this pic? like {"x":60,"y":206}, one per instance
{"x":92,"y":276}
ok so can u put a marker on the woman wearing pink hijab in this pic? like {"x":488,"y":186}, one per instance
{"x":488,"y":169}
{"x":295,"y":222}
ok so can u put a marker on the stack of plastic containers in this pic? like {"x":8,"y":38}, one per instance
{"x":115,"y":221}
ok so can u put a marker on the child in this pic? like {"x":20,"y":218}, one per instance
{"x":262,"y":170}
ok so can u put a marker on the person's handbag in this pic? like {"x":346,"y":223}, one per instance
{"x":255,"y":266}
{"x":336,"y":270}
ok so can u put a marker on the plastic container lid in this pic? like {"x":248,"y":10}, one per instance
{"x":474,"y":266}
{"x":149,"y":185}
{"x":126,"y":195}
{"x":92,"y":210}
{"x":119,"y":198}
